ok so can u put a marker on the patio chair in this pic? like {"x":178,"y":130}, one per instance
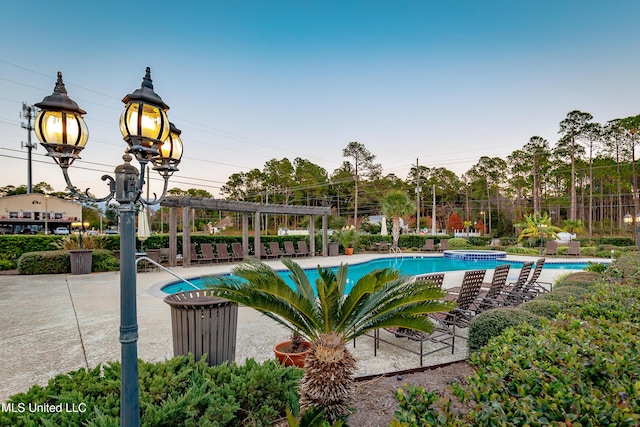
{"x":154,"y":255}
{"x":429,"y":246}
{"x":238,"y":252}
{"x":195,"y":256}
{"x":207,"y":253}
{"x":469,"y":291}
{"x":302,"y":248}
{"x":383,"y":247}
{"x":274,"y":248}
{"x":222,"y":252}
{"x":444,"y":245}
{"x":487,"y":299}
{"x":552,"y":248}
{"x":164,"y":255}
{"x":574,"y":248}
{"x":289,"y":249}
{"x":264,"y":253}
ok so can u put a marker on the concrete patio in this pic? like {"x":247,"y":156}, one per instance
{"x":53,"y":324}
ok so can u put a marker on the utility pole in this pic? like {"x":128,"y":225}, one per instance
{"x":418,"y":189}
{"x":28,"y":112}
{"x":433,"y":213}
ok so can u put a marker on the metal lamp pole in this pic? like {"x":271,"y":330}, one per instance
{"x":151,"y":139}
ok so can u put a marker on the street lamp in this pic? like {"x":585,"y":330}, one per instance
{"x":484,"y":223}
{"x":151,"y":139}
{"x":81,"y":226}
{"x":542,"y":229}
{"x":628,"y":219}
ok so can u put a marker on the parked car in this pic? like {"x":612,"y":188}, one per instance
{"x":111,"y":231}
{"x":61,"y":230}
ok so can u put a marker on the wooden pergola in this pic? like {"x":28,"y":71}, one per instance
{"x":246,"y":208}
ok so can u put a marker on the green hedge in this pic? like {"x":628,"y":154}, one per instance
{"x":176,"y":392}
{"x":545,"y":308}
{"x":12,"y":246}
{"x":580,"y":370}
{"x":491,"y":323}
{"x":58,"y":261}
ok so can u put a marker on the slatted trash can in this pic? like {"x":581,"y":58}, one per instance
{"x":81,"y":260}
{"x":203,"y":324}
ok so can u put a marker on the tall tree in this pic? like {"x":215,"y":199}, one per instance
{"x":538,"y":151}
{"x":572,"y":128}
{"x":362,"y":164}
{"x":395,"y":205}
{"x":592,"y":136}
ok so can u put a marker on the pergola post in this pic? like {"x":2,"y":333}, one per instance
{"x":312,"y":235}
{"x":245,"y":234}
{"x":256,"y":234}
{"x":186,"y":237}
{"x":173,"y":237}
{"x":325,"y":237}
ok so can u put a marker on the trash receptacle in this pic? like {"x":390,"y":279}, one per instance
{"x":80,"y":260}
{"x":334,"y":248}
{"x":203,"y":324}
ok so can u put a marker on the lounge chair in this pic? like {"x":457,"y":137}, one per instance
{"x":302,"y":248}
{"x":164,"y":255}
{"x":487,"y":300}
{"x":274,"y":248}
{"x":207,"y":253}
{"x":514,"y":294}
{"x":436,"y":278}
{"x":533,"y":285}
{"x":264,"y":253}
{"x":222,"y":252}
{"x":238,"y":252}
{"x":574,"y":248}
{"x":552,"y":248}
{"x":429,"y":245}
{"x":195,"y":256}
{"x":289,"y":249}
{"x":441,"y":337}
{"x":444,"y":245}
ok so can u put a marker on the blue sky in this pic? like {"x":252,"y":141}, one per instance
{"x":248,"y":81}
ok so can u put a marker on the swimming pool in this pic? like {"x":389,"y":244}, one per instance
{"x":407,"y":265}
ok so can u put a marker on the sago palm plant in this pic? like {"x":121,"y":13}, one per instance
{"x":329,"y":318}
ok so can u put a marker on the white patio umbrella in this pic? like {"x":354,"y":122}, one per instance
{"x":143,"y":227}
{"x":383,"y":231}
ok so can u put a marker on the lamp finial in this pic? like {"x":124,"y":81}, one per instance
{"x":146,"y":81}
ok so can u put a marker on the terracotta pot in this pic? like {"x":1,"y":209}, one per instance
{"x":348,"y":251}
{"x":288,"y":358}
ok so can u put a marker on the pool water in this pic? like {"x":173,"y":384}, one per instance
{"x":409,"y":266}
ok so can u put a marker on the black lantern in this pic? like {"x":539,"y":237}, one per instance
{"x":60,"y":127}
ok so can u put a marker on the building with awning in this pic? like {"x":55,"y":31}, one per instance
{"x":35,"y":212}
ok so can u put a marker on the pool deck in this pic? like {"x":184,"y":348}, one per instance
{"x":54,"y":324}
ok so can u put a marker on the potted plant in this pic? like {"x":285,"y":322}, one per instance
{"x":294,"y":351}
{"x":80,"y":251}
{"x":348,"y":237}
{"x":328,"y":317}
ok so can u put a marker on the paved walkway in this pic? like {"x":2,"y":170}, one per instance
{"x":53,"y":324}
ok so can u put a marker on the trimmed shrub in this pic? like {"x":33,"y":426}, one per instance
{"x":563,"y":294}
{"x":583,"y":279}
{"x":44,"y":262}
{"x":523,"y":251}
{"x":491,"y":323}
{"x":459,"y":243}
{"x":542,"y":307}
{"x":508,"y":241}
{"x":56,"y":262}
{"x":5,"y":264}
{"x":626,"y":268}
{"x":176,"y":392}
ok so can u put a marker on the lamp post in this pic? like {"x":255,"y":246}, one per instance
{"x":628,"y":219}
{"x":484,"y":223}
{"x":542,"y":230}
{"x":150,"y":139}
